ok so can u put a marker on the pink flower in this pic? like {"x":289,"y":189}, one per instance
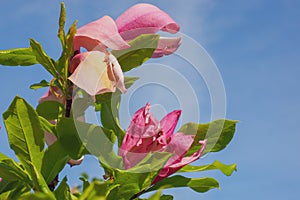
{"x":97,"y":71}
{"x":146,"y":134}
{"x":148,"y":19}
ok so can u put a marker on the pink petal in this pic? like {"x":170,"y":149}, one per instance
{"x":49,"y":96}
{"x":144,"y":18}
{"x":93,"y":74}
{"x":166,"y":46}
{"x":175,"y":164}
{"x":169,"y":122}
{"x":118,"y":73}
{"x":139,"y":137}
{"x":99,"y":34}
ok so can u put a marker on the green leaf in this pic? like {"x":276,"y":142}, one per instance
{"x":157,"y":196}
{"x":19,"y":189}
{"x":50,"y":110}
{"x":54,"y":160}
{"x":135,"y":180}
{"x":225,"y":169}
{"x":47,"y":126}
{"x":15,"y":57}
{"x":47,"y":62}
{"x":39,"y":182}
{"x":25,"y":134}
{"x":96,"y":190}
{"x":68,"y":137}
{"x":6,"y":186}
{"x":197,"y":184}
{"x":35,"y":196}
{"x":63,"y":190}
{"x":218,"y":134}
{"x":142,"y":48}
{"x":62,"y":22}
{"x":10,"y":170}
{"x":39,"y":85}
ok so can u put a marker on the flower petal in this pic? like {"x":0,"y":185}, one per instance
{"x":177,"y":162}
{"x":98,"y":35}
{"x":92,"y":74}
{"x":139,"y":137}
{"x":169,"y":122}
{"x":144,"y":18}
{"x":118,"y":73}
{"x":166,"y":46}
{"x":49,"y":96}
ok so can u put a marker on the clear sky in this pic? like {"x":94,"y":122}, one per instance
{"x":256,"y":46}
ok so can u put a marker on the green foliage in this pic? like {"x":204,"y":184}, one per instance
{"x":54,"y":160}
{"x":196,"y":184}
{"x":225,"y":169}
{"x":141,"y":49}
{"x":41,"y":56}
{"x":50,"y":110}
{"x":69,"y":138}
{"x":25,"y":133}
{"x":218,"y":134}
{"x":15,"y":57}
{"x":39,"y":166}
{"x":39,"y":85}
{"x":63,"y":190}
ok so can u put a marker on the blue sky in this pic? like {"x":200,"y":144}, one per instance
{"x":256,"y":46}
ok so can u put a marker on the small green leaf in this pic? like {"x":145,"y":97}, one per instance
{"x":10,"y":170}
{"x":218,"y":134}
{"x":25,"y":133}
{"x":47,"y":126}
{"x":50,"y":110}
{"x":39,"y":85}
{"x":47,"y":62}
{"x":62,"y":22}
{"x":35,"y":196}
{"x":39,"y":182}
{"x":135,"y":180}
{"x":54,"y":160}
{"x":63,"y":190}
{"x":225,"y":169}
{"x":96,"y":190}
{"x":15,"y":57}
{"x":141,"y":49}
{"x":68,"y":137}
{"x":197,"y":184}
{"x":157,"y":196}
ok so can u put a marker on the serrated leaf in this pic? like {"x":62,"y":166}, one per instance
{"x":15,"y":57}
{"x":54,"y":160}
{"x":218,"y":134}
{"x":225,"y":169}
{"x":141,"y":49}
{"x":197,"y":184}
{"x":41,"y":57}
{"x":25,"y":134}
{"x":39,"y":85}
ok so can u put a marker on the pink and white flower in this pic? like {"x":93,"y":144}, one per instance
{"x":146,"y":134}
